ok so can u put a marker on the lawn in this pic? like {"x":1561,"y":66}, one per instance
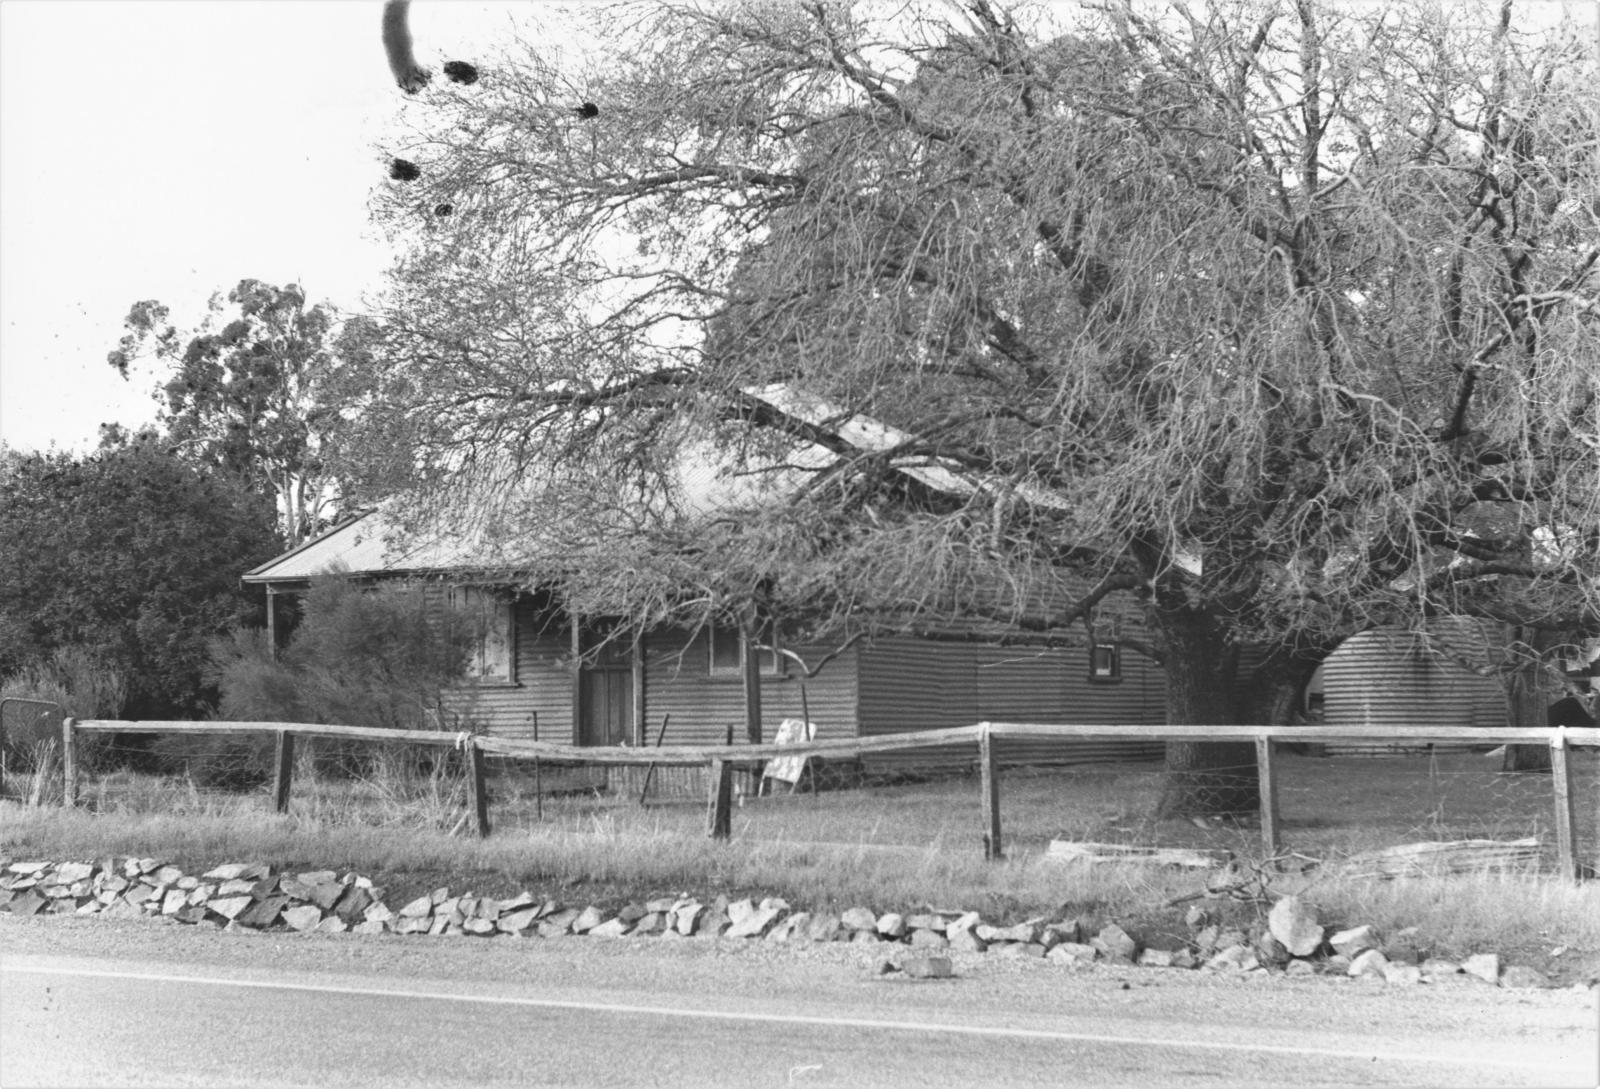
{"x":886,"y":845}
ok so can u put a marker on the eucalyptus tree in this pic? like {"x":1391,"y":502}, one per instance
{"x":264,"y":390}
{"x":1261,"y":323}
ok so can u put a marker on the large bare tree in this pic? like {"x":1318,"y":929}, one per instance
{"x":1266,"y":321}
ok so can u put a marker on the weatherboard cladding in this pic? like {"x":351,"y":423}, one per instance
{"x":542,"y":685}
{"x":1391,"y":678}
{"x":678,"y":682}
{"x":911,"y":684}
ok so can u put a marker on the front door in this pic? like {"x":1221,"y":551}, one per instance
{"x":605,"y":692}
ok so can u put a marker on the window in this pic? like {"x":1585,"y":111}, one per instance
{"x":1105,"y":663}
{"x":493,"y":658}
{"x":727,"y":652}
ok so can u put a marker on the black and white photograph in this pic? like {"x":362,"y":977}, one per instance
{"x":799,"y":543}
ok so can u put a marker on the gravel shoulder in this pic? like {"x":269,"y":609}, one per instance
{"x":1465,"y":1017}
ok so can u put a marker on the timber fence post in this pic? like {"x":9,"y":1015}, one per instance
{"x":538,"y":778}
{"x":477,"y":789}
{"x":1267,"y":782}
{"x":719,"y":807}
{"x":1561,"y":787}
{"x":69,"y":762}
{"x":283,"y":771}
{"x":992,"y":846}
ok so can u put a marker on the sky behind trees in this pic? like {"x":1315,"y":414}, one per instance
{"x":167,"y":150}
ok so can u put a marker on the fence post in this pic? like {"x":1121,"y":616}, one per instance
{"x":992,"y":847}
{"x":69,"y":762}
{"x":283,"y":771}
{"x":1561,"y":786}
{"x":719,"y":809}
{"x":1267,"y":781}
{"x":477,"y":790}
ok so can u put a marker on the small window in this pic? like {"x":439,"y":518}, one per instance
{"x":493,"y":657}
{"x":726,"y":656}
{"x":1105,"y":663}
{"x":727,"y":652}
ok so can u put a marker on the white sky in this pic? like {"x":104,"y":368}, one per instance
{"x":167,"y":150}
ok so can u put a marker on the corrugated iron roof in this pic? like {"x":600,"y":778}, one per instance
{"x":368,"y":544}
{"x":373,"y":543}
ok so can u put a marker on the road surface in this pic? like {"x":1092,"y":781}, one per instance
{"x":136,"y":1002}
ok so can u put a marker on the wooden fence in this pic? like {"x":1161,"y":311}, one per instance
{"x":723,"y":759}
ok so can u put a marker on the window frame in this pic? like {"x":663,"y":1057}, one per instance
{"x":1105,"y":663}
{"x":773,"y":666}
{"x":497,"y":611}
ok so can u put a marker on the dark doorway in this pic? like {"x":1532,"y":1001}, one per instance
{"x":605,"y":690}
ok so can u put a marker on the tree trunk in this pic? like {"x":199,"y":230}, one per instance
{"x":1529,"y":693}
{"x":1206,"y":687}
{"x":1203,"y":778}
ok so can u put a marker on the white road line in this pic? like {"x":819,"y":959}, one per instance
{"x":939,"y":1028}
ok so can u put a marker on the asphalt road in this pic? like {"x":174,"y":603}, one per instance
{"x":92,"y":1002}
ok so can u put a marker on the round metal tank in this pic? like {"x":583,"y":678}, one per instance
{"x":1399,"y":678}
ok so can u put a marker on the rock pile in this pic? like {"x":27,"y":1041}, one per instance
{"x":249,"y":896}
{"x":237,"y":894}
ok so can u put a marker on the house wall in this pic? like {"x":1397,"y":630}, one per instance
{"x":1392,"y":678}
{"x":678,"y":681}
{"x":542,"y":684}
{"x":912,"y":684}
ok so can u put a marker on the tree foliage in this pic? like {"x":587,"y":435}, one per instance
{"x":1270,"y":321}
{"x":133,"y":557}
{"x":266,"y":394}
{"x":360,"y":656}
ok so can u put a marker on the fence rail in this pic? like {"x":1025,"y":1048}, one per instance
{"x":722,"y":759}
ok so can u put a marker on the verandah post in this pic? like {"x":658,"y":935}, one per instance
{"x":992,"y":847}
{"x":1267,"y":781}
{"x":69,"y":762}
{"x":283,"y":771}
{"x":1561,"y":787}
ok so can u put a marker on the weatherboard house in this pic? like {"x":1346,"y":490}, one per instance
{"x":543,"y":672}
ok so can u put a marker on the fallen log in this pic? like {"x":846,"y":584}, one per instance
{"x":1456,"y":856}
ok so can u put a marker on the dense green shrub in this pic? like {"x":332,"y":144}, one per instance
{"x":131,"y":555}
{"x":361,"y":656}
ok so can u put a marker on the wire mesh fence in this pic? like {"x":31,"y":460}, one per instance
{"x":1328,"y":809}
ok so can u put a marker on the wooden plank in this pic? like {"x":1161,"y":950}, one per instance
{"x":993,"y":847}
{"x":1267,"y":779}
{"x":1561,"y":787}
{"x":719,"y":806}
{"x":69,"y":763}
{"x":312,"y":729}
{"x":650,"y":772}
{"x":850,"y":747}
{"x":1457,"y":856}
{"x":283,"y":771}
{"x":1492,"y":735}
{"x":477,"y":790}
{"x":1062,"y":850}
{"x":700,"y":754}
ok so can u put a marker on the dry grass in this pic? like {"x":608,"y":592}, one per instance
{"x":903,"y":846}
